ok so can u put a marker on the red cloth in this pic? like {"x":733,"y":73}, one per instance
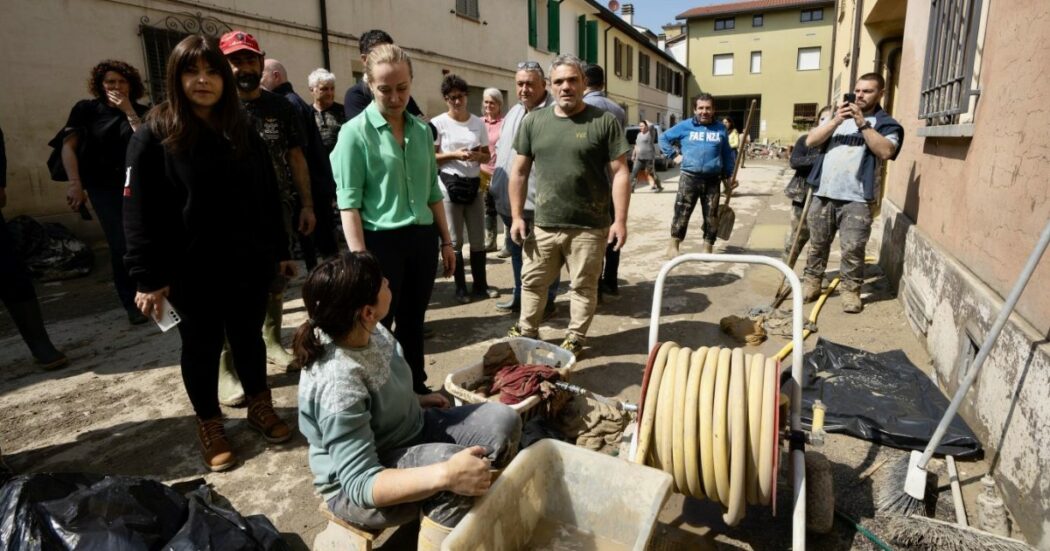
{"x":515,"y":383}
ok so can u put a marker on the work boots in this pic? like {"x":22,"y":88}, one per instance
{"x":709,"y":247}
{"x":851,"y":303}
{"x":272,"y":331}
{"x":480,"y":286}
{"x":459,"y":275}
{"x":264,"y":419}
{"x":215,"y":448}
{"x":30,"y":323}
{"x":811,"y":287}
{"x":231,"y":393}
{"x":505,"y":251}
{"x":672,"y":248}
{"x":431,"y":535}
{"x":490,"y":233}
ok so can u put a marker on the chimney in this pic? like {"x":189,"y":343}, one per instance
{"x":627,"y":13}
{"x":661,"y":41}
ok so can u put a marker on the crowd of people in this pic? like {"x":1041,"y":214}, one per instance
{"x":206,"y":199}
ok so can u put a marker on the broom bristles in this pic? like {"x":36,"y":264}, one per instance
{"x":891,"y":496}
{"x":915,"y":532}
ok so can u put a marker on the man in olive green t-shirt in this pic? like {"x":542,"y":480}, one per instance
{"x":571,"y":146}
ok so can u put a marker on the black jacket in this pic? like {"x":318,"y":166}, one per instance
{"x":201,"y":213}
{"x":322,"y":183}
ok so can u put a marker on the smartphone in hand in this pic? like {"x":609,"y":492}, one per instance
{"x":849,"y":98}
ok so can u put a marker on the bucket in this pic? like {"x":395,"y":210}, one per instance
{"x":558,"y":496}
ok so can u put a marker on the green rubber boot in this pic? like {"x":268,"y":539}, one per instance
{"x":231,"y":394}
{"x":272,"y":332}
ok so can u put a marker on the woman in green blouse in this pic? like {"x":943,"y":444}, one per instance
{"x":389,"y":199}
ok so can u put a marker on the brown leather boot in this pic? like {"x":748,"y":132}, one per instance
{"x":811,"y":288}
{"x":264,"y":419}
{"x":215,"y":448}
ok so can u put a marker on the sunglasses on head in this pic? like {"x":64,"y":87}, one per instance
{"x":528,"y":65}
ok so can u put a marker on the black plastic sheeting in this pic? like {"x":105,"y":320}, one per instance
{"x":50,"y":251}
{"x":44,"y":512}
{"x":882,"y":398}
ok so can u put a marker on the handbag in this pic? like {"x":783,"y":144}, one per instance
{"x":461,"y":190}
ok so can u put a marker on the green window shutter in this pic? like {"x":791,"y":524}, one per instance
{"x":533,"y":41}
{"x":581,"y":36}
{"x":592,"y":42}
{"x":554,"y":26}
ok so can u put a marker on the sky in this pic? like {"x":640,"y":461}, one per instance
{"x":657,"y":13}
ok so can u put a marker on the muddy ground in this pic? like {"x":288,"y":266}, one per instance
{"x":120,"y":407}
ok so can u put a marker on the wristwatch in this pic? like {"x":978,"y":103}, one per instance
{"x":864,"y":126}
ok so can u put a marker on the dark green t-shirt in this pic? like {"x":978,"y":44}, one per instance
{"x":571,"y":157}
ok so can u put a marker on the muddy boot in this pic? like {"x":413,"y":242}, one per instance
{"x":459,"y":276}
{"x":709,"y":247}
{"x":264,"y":419}
{"x":505,"y":251}
{"x":30,"y":323}
{"x":851,"y":303}
{"x":810,"y":289}
{"x":231,"y":394}
{"x":480,"y":288}
{"x":490,"y":233}
{"x":272,"y":332}
{"x":672,"y":248}
{"x":431,"y":535}
{"x":215,"y":448}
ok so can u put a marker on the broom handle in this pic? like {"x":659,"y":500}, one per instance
{"x":740,"y":152}
{"x":986,"y":346}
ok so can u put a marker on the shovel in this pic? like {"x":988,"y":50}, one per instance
{"x":783,"y":291}
{"x":726,"y":217}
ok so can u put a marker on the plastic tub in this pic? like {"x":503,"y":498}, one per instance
{"x":528,"y":351}
{"x":599,"y":501}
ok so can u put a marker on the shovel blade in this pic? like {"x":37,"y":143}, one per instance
{"x":915,"y":483}
{"x":726,"y":221}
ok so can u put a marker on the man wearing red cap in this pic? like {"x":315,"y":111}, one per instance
{"x":276,"y":122}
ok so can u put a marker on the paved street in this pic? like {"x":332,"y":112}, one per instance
{"x":120,"y":406}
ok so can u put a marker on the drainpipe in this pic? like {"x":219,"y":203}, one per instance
{"x":858,"y":15}
{"x":831,"y":68}
{"x":324,"y":36}
{"x":605,"y":62}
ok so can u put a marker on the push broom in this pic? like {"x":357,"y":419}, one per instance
{"x":910,"y":500}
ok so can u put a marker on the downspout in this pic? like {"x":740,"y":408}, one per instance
{"x":325,"y":56}
{"x":605,"y":62}
{"x":831,"y":68}
{"x":858,"y":14}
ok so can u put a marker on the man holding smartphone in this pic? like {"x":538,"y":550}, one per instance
{"x":854,"y":143}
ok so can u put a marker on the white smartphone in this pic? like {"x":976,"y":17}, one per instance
{"x":170,"y":318}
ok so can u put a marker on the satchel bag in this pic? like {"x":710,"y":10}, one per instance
{"x":461,"y":190}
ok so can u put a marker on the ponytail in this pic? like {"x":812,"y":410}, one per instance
{"x":306,"y":347}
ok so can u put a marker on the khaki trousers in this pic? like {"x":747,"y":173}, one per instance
{"x":582,"y":251}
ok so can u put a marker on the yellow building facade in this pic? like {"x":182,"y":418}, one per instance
{"x":776,"y":53}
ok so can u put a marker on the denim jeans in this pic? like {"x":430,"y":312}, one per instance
{"x":109,"y":207}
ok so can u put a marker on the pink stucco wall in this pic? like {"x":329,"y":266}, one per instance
{"x":984,"y":200}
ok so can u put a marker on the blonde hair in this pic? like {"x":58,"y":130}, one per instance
{"x":386,"y":53}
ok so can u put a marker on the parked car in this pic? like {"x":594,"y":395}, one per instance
{"x":661,"y":162}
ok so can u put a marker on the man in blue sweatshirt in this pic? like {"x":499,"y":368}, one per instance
{"x":706,"y":160}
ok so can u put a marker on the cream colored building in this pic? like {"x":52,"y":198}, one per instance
{"x":645,"y":80}
{"x":774,"y":51}
{"x":965,"y":202}
{"x":50,"y":45}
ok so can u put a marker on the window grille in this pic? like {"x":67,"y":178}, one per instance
{"x":158,"y":40}
{"x":805,"y":113}
{"x":951,"y":45}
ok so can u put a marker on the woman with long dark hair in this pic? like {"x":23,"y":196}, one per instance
{"x":94,"y":141}
{"x":380,"y":454}
{"x":203,"y":224}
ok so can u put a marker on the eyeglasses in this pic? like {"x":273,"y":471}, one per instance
{"x":531,"y":65}
{"x":457,"y":97}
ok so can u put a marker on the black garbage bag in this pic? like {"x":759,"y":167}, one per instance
{"x":50,"y":251}
{"x":882,"y":398}
{"x":44,"y":512}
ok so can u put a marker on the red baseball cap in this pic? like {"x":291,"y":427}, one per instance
{"x":235,"y":41}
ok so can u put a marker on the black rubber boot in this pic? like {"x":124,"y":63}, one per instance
{"x":477,"y":273}
{"x":460,"y":277}
{"x":30,"y":324}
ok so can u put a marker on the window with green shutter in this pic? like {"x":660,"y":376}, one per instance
{"x":554,"y":26}
{"x":592,"y":42}
{"x":581,"y":37}
{"x":532,"y":24}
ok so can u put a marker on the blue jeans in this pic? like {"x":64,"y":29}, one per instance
{"x":109,"y":208}
{"x":515,"y":266}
